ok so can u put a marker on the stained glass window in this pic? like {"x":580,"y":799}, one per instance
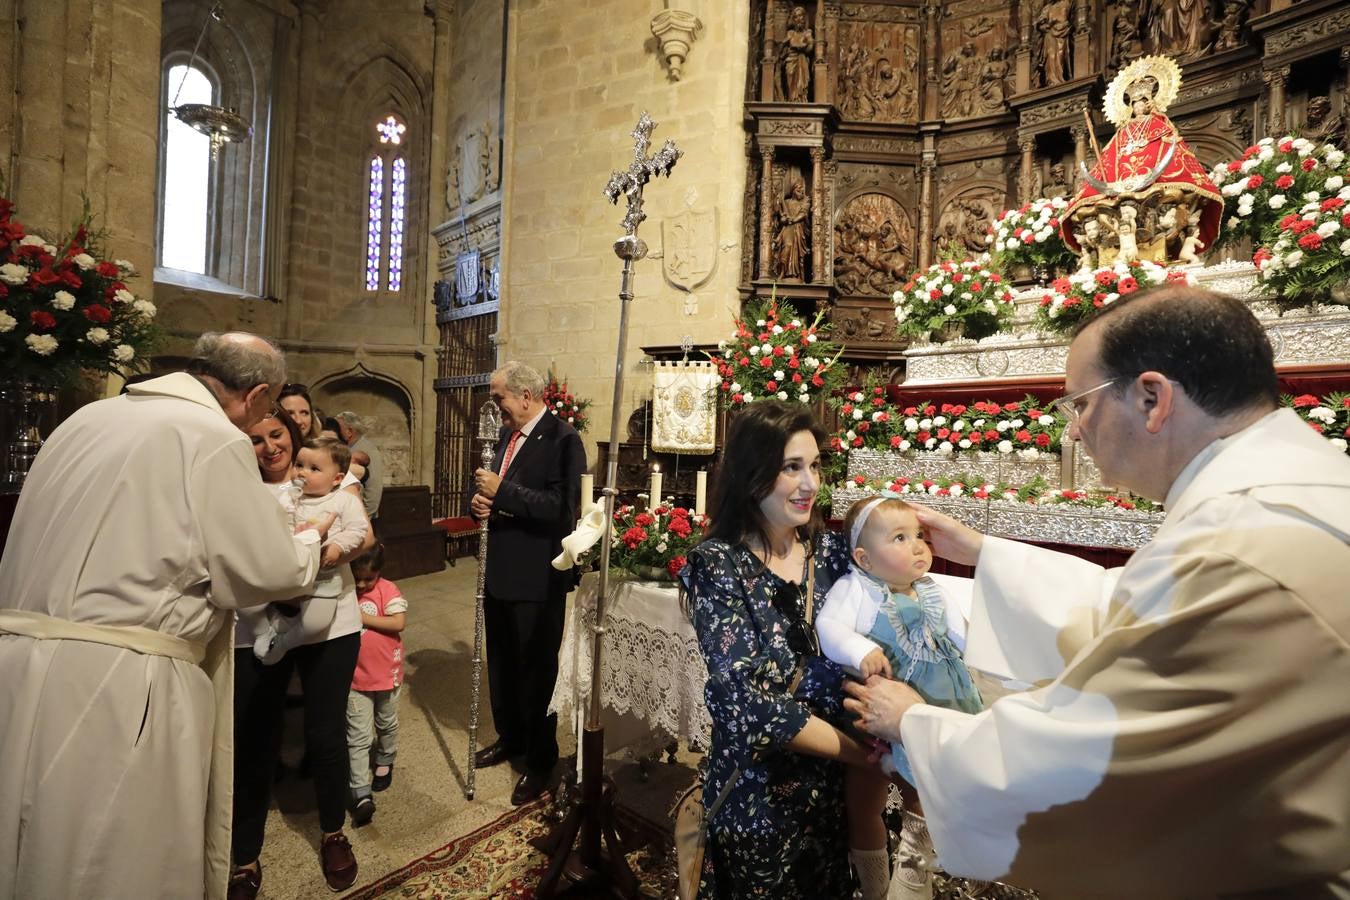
{"x":386,"y":213}
{"x":396,"y":224}
{"x":375,"y":223}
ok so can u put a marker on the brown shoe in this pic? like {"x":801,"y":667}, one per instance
{"x":245,"y":883}
{"x":339,"y":863}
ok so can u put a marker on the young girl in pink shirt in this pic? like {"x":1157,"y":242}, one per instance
{"x":372,"y":704}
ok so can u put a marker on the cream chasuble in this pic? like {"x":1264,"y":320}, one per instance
{"x":1189,"y":735}
{"x":145,"y":511}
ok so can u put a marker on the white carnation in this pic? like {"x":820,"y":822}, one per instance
{"x":778,"y":329}
{"x":41,"y":344}
{"x":31,"y":240}
{"x":754,"y":351}
{"x":1005,"y":446}
{"x":124,"y":296}
{"x":1276,"y":201}
{"x":7,"y":322}
{"x":939,"y":421}
{"x":63,"y":300}
{"x":911,"y":425}
{"x":1345,"y":247}
{"x":949,"y":309}
{"x":124,"y":353}
{"x":1327,"y":229}
{"x":1292,"y":259}
{"x":1029,"y":454}
{"x":964,"y":444}
{"x":96,"y":335}
{"x":84,"y":261}
{"x":1338,"y":443}
{"x":1046,"y":420}
{"x":782,"y":395}
{"x":1335,"y":183}
{"x":1284,"y":168}
{"x":778,"y":375}
{"x":13,"y":273}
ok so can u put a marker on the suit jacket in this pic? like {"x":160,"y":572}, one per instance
{"x":535,"y":508}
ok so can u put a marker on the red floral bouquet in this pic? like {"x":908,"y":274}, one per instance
{"x":565,"y":405}
{"x":776,"y":355}
{"x":1076,"y":298}
{"x":1329,"y":416}
{"x":64,"y":309}
{"x":1026,"y":427}
{"x":967,"y":295}
{"x":1029,"y":236}
{"x":1273,"y":178}
{"x":655,"y":540}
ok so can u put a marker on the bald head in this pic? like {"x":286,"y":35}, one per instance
{"x":243,"y":370}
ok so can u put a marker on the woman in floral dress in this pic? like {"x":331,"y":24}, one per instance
{"x":781,"y":831}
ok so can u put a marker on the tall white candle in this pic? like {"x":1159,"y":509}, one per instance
{"x":700,"y":491}
{"x":656,"y":486}
{"x":587,"y":493}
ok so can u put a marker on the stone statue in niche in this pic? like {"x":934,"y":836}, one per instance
{"x":993,"y":81}
{"x":1052,"y":21}
{"x":1165,"y":28}
{"x":1230,"y":26}
{"x":790,"y":236}
{"x":960,"y":77}
{"x":795,"y":52}
{"x":872,"y":246}
{"x":1125,"y":43}
{"x":1196,"y":26}
{"x":1322,"y":126}
{"x":1057,"y":185}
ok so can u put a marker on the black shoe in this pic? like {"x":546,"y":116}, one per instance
{"x":529,"y":787}
{"x":244,"y":883}
{"x":363,"y":811}
{"x":382,"y":782}
{"x":492,"y":755}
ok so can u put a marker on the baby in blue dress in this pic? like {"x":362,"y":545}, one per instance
{"x":887,"y":617}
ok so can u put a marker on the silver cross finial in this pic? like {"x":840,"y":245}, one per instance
{"x":630,"y":183}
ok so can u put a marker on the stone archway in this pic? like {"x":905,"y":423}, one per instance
{"x":384,"y":400}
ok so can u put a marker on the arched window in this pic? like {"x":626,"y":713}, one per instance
{"x":387,"y":178}
{"x":185,"y":203}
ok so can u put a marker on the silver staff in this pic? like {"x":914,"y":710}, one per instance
{"x":489,"y":429}
{"x":593,"y":816}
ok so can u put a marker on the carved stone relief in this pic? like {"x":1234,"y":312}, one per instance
{"x":873,"y":245}
{"x":1305,"y":33}
{"x":878,"y":72}
{"x":794,"y":58}
{"x":964,"y":220}
{"x":475,"y":168}
{"x":1126,"y":43}
{"x":975,"y":75}
{"x":1322,"y":125}
{"x":1054,"y":59}
{"x":1232,"y":25}
{"x":864,"y":325}
{"x":689,"y":248}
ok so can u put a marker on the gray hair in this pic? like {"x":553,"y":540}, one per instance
{"x":238,"y":360}
{"x":519,"y":378}
{"x":355,"y":422}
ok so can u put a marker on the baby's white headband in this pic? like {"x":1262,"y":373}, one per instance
{"x":859,"y":522}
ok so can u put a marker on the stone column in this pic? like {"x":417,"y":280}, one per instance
{"x":818,"y":214}
{"x":280,"y":143}
{"x":928,"y":166}
{"x":820,"y":86}
{"x":1026,"y":178}
{"x":1022,"y":73}
{"x":768,"y":59}
{"x":930,"y":102}
{"x":1080,"y":149}
{"x":1081,"y":64}
{"x":1276,"y":79}
{"x":765,"y":268}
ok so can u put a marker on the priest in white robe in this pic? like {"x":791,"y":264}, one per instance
{"x":142,"y":526}
{"x":1188,"y":730}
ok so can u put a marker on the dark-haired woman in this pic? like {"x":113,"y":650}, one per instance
{"x":294,"y":398}
{"x":781,"y":830}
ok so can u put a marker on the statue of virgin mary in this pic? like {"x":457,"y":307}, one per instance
{"x":1147,"y":165}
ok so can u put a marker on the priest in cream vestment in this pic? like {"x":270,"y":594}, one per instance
{"x":1188,"y":730}
{"x":142,"y":526}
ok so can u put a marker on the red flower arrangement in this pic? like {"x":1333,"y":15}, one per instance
{"x":774,"y":354}
{"x":64,"y":311}
{"x":565,"y":405}
{"x":656,"y":539}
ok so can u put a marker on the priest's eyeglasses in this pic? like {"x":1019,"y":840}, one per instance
{"x":1069,"y":407}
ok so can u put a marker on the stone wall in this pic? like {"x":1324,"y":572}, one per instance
{"x":77,"y":118}
{"x":578,"y":79}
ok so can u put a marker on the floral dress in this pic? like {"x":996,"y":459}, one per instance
{"x":781,"y":832}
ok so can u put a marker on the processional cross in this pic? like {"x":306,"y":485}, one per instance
{"x":605,"y":869}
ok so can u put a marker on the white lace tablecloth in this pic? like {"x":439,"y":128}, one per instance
{"x":651,"y":668}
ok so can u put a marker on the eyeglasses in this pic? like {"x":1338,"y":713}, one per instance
{"x":790,"y":603}
{"x":1068,"y":406}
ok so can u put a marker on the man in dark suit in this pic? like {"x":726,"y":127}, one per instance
{"x":531,"y":496}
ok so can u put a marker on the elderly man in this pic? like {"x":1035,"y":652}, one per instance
{"x":1188,"y":733}
{"x":531,"y":493}
{"x":142,"y":526}
{"x":355,"y":432}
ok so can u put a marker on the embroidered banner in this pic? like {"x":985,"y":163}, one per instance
{"x":684,"y":407}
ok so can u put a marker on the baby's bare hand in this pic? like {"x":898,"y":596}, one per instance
{"x":875,"y":663}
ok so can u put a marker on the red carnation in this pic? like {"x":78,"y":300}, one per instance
{"x":675,"y":565}
{"x":42,"y":320}
{"x":107,"y":269}
{"x":1301,"y":226}
{"x":1022,"y":435}
{"x":1332,"y":203}
{"x":680,"y":527}
{"x":929,"y":410}
{"x":98,"y":314}
{"x":1311,"y":241}
{"x":634,"y":536}
{"x":991,"y":434}
{"x":976,"y":286}
{"x":1235,"y":165}
{"x":43,"y":277}
{"x":1072,"y":301}
{"x":1288,"y":221}
{"x":771,"y":385}
{"x":743,"y":361}
{"x":644,"y":519}
{"x":765,"y":362}
{"x":737,"y":398}
{"x":1285,"y":145}
{"x":1261,"y":255}
{"x":796,"y":378}
{"x":1308,"y":164}
{"x":1345,"y":220}
{"x":1255,"y":181}
{"x":858,"y":441}
{"x":1303,"y":401}
{"x":1284,"y":182}
{"x":895,"y":441}
{"x":943,"y":433}
{"x":1042,"y":440}
{"x":817,"y":381}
